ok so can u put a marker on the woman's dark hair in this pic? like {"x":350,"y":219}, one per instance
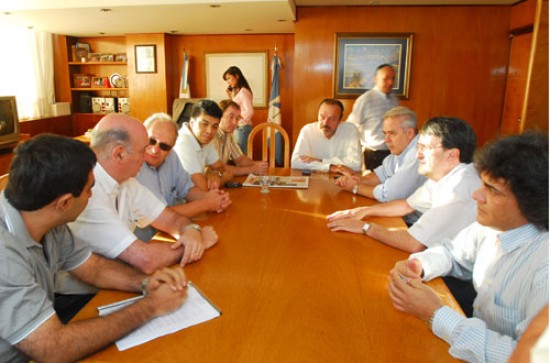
{"x":46,"y":167}
{"x":522,"y":161}
{"x":236,"y":72}
{"x":454,"y":133}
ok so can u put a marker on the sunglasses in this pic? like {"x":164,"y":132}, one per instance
{"x":162,"y":146}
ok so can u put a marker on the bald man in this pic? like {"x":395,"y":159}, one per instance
{"x":119,"y":203}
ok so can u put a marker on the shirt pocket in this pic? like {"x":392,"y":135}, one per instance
{"x":505,"y":320}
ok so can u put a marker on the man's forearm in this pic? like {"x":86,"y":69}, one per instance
{"x":400,"y":239}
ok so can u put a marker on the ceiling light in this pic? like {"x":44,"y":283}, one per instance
{"x":105,"y":10}
{"x":215,"y":6}
{"x":173,"y":31}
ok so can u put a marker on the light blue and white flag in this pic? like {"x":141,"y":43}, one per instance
{"x":185,"y":91}
{"x":274,"y":112}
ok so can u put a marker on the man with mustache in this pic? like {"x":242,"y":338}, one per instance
{"x":328,"y":145}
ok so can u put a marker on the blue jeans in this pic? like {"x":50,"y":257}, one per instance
{"x":241,"y":135}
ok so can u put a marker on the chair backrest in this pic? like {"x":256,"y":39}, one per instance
{"x":268,"y":139}
{"x":3,"y":181}
{"x":181,"y":109}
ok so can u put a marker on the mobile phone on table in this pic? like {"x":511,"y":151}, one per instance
{"x":306,"y":172}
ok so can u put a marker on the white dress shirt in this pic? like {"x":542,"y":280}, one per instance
{"x":446,"y":205}
{"x":510,"y":275}
{"x":343,"y":148}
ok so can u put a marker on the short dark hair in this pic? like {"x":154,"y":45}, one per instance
{"x":46,"y":167}
{"x":383,"y":66}
{"x":522,"y":161}
{"x":454,"y":134}
{"x":207,"y":107}
{"x":332,"y":101}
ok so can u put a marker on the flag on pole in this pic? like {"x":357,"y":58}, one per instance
{"x":185,"y":91}
{"x":274,"y":112}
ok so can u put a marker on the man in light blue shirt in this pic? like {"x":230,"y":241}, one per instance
{"x":505,"y":252}
{"x":397,"y":177}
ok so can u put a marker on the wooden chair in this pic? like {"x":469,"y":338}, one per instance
{"x":268,"y":132}
{"x":3,"y":181}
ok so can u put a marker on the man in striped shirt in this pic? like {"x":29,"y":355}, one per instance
{"x":505,"y":252}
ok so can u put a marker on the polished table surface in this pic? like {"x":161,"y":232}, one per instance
{"x":290,"y":290}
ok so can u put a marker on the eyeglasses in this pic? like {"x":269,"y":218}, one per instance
{"x":422,"y":147}
{"x":162,"y":145}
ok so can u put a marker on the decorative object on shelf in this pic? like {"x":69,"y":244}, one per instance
{"x":358,"y":55}
{"x":124,"y":105}
{"x":146,"y":58}
{"x":110,"y":104}
{"x":82,"y":80}
{"x":85,"y":102}
{"x":81,"y":52}
{"x":98,"y":104}
{"x":94,"y":57}
{"x":117,"y":81}
{"x":107,"y":57}
{"x":120,"y":57}
{"x":100,"y":82}
{"x":254,"y":66}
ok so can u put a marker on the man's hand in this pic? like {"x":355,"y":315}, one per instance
{"x":341,"y":169}
{"x":260,"y":167}
{"x":191,"y":240}
{"x":213,"y":181}
{"x":411,"y":296}
{"x":347,"y":182}
{"x":167,"y":289}
{"x":218,"y":200}
{"x":411,"y":269}
{"x":348,"y":225}
{"x":209,"y":236}
{"x":308,"y":159}
{"x":355,"y":213}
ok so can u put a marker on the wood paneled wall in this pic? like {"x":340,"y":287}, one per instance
{"x":197,"y":46}
{"x":458,"y":62}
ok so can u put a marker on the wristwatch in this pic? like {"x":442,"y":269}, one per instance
{"x":192,"y":225}
{"x":214,"y":171}
{"x":355,"y":189}
{"x":365,"y":228}
{"x":144,"y":284}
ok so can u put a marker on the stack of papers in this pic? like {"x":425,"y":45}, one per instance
{"x":278,"y":181}
{"x":195,"y":310}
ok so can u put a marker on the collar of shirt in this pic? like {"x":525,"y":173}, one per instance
{"x":185,"y":130}
{"x":512,"y":239}
{"x":382,"y":94}
{"x":15,"y":224}
{"x":106,"y":182}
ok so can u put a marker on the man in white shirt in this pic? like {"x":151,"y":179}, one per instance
{"x":120,"y":203}
{"x":505,"y":253}
{"x":195,"y":149}
{"x":368,"y":112}
{"x":445,"y":151}
{"x":398,"y":176}
{"x":328,"y":145}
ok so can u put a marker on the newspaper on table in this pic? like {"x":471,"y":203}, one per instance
{"x":195,"y":310}
{"x":278,"y":181}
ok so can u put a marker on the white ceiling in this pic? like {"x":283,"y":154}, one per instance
{"x":86,"y":18}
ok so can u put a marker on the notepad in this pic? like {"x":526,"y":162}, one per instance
{"x":196,"y":309}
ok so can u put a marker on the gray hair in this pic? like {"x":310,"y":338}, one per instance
{"x":104,"y":141}
{"x":159,"y":116}
{"x":408,"y":116}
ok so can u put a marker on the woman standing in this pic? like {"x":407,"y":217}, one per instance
{"x":240,"y":92}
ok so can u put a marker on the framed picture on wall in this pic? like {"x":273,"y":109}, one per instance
{"x":253,"y":65}
{"x":357,"y":55}
{"x":146,"y":58}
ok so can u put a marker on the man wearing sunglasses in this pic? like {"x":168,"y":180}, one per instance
{"x":196,"y":150}
{"x":163,"y":174}
{"x":119,"y":204}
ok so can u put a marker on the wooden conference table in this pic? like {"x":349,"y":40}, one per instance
{"x":290,"y":290}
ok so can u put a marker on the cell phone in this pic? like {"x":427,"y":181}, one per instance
{"x":229,"y":88}
{"x":233,"y":185}
{"x":306,"y":172}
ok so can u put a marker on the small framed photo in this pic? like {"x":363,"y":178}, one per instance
{"x":146,"y":58}
{"x":120,"y":57}
{"x":100,"y":82}
{"x":82,"y":80}
{"x":107,"y":57}
{"x":94,"y":57}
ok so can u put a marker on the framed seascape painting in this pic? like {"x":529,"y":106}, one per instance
{"x":358,"y":54}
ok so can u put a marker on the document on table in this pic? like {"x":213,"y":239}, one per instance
{"x":195,"y":310}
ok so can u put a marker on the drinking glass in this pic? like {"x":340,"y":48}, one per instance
{"x":264,"y":183}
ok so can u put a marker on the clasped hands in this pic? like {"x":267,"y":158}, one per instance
{"x":167,"y":289}
{"x":195,"y":243}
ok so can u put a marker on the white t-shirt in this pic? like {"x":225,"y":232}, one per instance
{"x":192,"y":155}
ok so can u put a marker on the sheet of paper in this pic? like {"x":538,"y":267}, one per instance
{"x":275,"y":181}
{"x":195,"y":310}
